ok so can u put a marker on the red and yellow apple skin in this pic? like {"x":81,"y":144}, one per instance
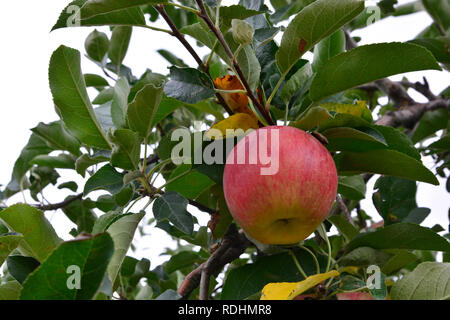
{"x":285,"y":207}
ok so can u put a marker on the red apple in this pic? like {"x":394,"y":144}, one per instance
{"x":286,"y":203}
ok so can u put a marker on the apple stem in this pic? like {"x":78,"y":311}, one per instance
{"x":297,"y":264}
{"x":324,"y":232}
{"x":313,"y":256}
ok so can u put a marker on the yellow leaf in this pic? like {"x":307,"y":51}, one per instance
{"x":236,"y":101}
{"x":359,"y":109}
{"x":231,"y":125}
{"x":349,"y":269}
{"x":289,"y":290}
{"x":312,"y":118}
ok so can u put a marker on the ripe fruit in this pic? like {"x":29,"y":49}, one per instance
{"x":286,"y":205}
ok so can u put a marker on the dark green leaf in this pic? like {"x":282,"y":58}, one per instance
{"x":85,"y":161}
{"x":62,"y":161}
{"x":401,"y":236}
{"x":328,"y":48}
{"x":191,"y":185}
{"x":100,"y":13}
{"x":71,"y":98}
{"x":387,"y":162}
{"x":57,"y":137}
{"x":50,"y":281}
{"x":97,"y":45}
{"x":39,"y":237}
{"x":142,"y":111}
{"x":352,"y":187}
{"x":120,"y":39}
{"x":106,"y":178}
{"x":20,"y":267}
{"x":182,"y":260}
{"x":431,"y":122}
{"x":188,"y":85}
{"x":403,"y":57}
{"x":315,"y":22}
{"x":172,"y":207}
{"x":126,"y":149}
{"x":8,"y":243}
{"x":119,"y":103}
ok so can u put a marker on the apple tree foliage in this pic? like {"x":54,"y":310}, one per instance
{"x":295,"y":63}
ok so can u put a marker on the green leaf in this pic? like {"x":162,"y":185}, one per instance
{"x":439,"y":10}
{"x":100,"y":13}
{"x":333,"y":77}
{"x":62,"y":161}
{"x":71,"y":98}
{"x":122,"y":232}
{"x":104,"y":96}
{"x":387,"y":162}
{"x":438,"y":46}
{"x":172,"y":59}
{"x":34,"y":147}
{"x":431,"y":122}
{"x":172,"y":206}
{"x":39,"y":237}
{"x":51,"y":280}
{"x":417,"y":215}
{"x":57,"y":137}
{"x":228,"y":13}
{"x":126,"y":148}
{"x":312,"y":118}
{"x":296,"y":82}
{"x":428,"y":281}
{"x":119,"y":103}
{"x":96,"y":81}
{"x":401,"y":236}
{"x":97,"y":45}
{"x":142,"y":111}
{"x":315,"y":22}
{"x":349,"y":139}
{"x":71,"y":185}
{"x":102,"y":7}
{"x":188,"y":85}
{"x":191,"y":185}
{"x":182,"y":260}
{"x":359,"y":109}
{"x":106,"y":178}
{"x":328,"y":48}
{"x":85,"y":161}
{"x":441,"y":144}
{"x":8,"y":243}
{"x":394,"y":198}
{"x":20,"y":267}
{"x":400,"y":259}
{"x":120,"y":40}
{"x":245,"y":281}
{"x":364,"y":257}
{"x":344,"y":227}
{"x":246,"y":59}
{"x":352,"y":187}
{"x":81,"y":214}
{"x":10,"y":290}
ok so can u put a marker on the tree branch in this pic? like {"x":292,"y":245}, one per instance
{"x":408,"y":117}
{"x":204,"y":15}
{"x":423,"y":88}
{"x":177,"y":34}
{"x":60,"y":205}
{"x":232,"y":246}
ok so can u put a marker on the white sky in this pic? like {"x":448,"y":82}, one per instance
{"x":27,"y":45}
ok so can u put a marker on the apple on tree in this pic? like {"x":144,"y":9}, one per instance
{"x":285,"y":203}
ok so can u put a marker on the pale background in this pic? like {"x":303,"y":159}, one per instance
{"x":27,"y":45}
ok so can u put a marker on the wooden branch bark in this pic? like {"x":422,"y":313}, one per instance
{"x":232,"y":246}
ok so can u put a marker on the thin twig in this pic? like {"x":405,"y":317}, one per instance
{"x":60,"y":205}
{"x":204,"y":15}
